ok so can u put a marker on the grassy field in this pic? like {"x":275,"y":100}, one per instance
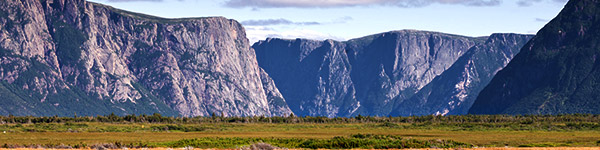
{"x":90,"y":133}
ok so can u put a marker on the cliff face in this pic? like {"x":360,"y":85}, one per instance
{"x":68,"y":54}
{"x":389,"y":68}
{"x":557,"y":72}
{"x":313,"y":76}
{"x":367,"y":76}
{"x":454,"y":91}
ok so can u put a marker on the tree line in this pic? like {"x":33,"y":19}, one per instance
{"x":158,"y":118}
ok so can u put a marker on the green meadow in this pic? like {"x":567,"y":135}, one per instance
{"x":303,"y":132}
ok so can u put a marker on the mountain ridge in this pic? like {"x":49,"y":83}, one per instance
{"x":317,"y":77}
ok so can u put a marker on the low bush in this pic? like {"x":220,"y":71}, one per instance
{"x":389,"y":125}
{"x":260,"y":146}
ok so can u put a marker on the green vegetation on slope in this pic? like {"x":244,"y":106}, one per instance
{"x":68,"y":41}
{"x":144,"y":16}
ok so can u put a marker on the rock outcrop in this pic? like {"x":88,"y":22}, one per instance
{"x":60,"y":57}
{"x":557,"y":72}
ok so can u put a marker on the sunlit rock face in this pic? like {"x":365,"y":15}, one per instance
{"x":64,"y":57}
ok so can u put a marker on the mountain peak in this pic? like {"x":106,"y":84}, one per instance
{"x":555,"y":73}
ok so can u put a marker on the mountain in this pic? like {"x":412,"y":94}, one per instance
{"x":389,"y":68}
{"x":557,"y":72}
{"x":375,"y":75}
{"x":66,"y":57}
{"x":454,"y":91}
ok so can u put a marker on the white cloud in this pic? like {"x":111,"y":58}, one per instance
{"x":541,"y":20}
{"x":280,"y":21}
{"x":527,"y":3}
{"x":255,"y":34}
{"x":343,"y":19}
{"x":350,"y":3}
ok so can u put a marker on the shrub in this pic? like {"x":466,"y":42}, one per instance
{"x":389,"y":125}
{"x":365,"y":141}
{"x":260,"y":146}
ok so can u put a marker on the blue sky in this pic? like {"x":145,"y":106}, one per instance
{"x":347,"y":19}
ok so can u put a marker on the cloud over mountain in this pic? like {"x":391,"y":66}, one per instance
{"x":527,"y":3}
{"x":351,"y":3}
{"x":256,"y":33}
{"x":280,"y":21}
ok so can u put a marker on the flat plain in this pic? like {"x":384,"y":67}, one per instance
{"x":94,"y":133}
{"x":155,"y":131}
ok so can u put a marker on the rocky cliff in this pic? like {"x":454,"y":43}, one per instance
{"x":60,"y":57}
{"x":315,"y":75}
{"x":557,"y":72}
{"x":454,"y":91}
{"x":371,"y":75}
{"x":389,"y":68}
